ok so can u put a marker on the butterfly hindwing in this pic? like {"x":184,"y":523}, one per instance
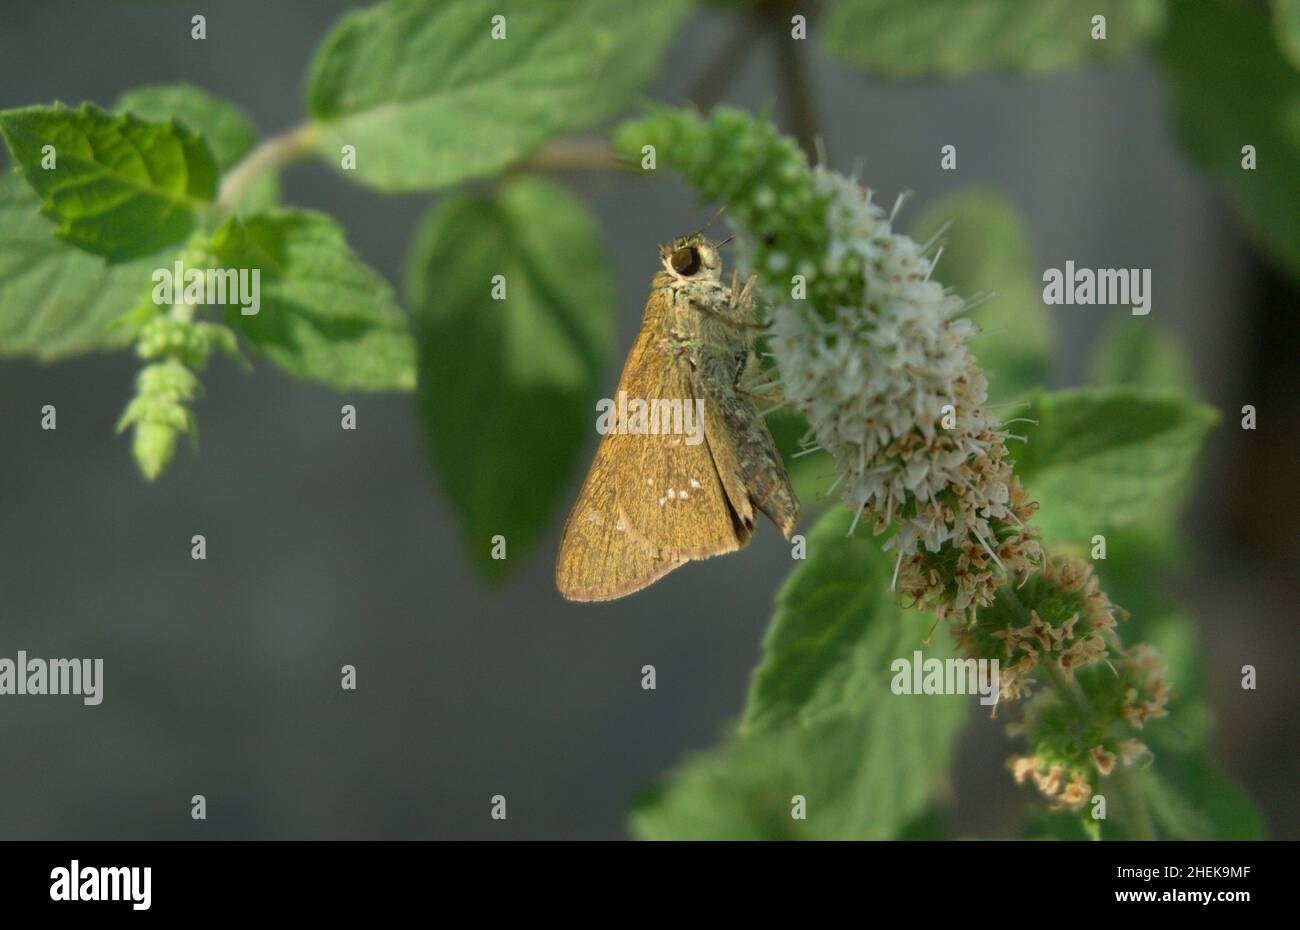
{"x":743,"y":449}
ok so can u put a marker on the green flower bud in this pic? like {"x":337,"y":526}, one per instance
{"x":158,"y":413}
{"x":153,"y":445}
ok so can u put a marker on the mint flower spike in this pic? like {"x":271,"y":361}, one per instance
{"x":892,"y":392}
{"x":159,"y":412}
{"x":176,"y":347}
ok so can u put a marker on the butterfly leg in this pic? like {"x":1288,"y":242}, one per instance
{"x":750,"y":381}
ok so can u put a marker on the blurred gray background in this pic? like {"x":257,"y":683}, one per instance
{"x":326,"y":547}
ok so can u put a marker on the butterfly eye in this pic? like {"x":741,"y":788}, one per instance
{"x":686,"y":261}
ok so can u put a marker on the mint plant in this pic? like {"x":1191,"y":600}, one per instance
{"x":968,"y":502}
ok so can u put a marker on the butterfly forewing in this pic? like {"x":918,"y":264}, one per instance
{"x":651,"y":501}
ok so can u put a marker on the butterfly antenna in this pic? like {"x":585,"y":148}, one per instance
{"x":709,"y":222}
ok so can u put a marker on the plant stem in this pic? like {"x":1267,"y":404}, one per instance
{"x":1068,"y":688}
{"x":275,"y":152}
{"x":1132,"y":802}
{"x":796,"y":87}
{"x":713,"y":83}
{"x":582,"y":154}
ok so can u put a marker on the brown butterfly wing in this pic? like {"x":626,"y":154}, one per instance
{"x":747,"y":460}
{"x":626,"y":530}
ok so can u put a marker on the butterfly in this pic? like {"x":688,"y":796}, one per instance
{"x":666,"y":488}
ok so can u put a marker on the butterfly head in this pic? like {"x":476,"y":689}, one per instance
{"x":692,"y":258}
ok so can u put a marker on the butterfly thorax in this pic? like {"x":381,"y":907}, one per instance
{"x":694,"y":316}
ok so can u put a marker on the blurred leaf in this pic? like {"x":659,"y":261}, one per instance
{"x":1232,"y":88}
{"x":1106,"y":459}
{"x":508,"y":387}
{"x":822,"y":721}
{"x":56,"y":300}
{"x":1286,"y":27}
{"x":1187,"y":794}
{"x":226,"y":128}
{"x":1135,"y":352}
{"x":122,"y":187}
{"x":1044,"y":824}
{"x":739,"y":791}
{"x":947,"y":38}
{"x":863,"y":776}
{"x":1190,"y":799}
{"x":1159,"y":622}
{"x":429,"y":98}
{"x":930,"y":824}
{"x":229,"y":133}
{"x":987,"y":251}
{"x":325,"y":315}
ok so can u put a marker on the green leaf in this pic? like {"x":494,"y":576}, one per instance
{"x":862,"y":775}
{"x":122,"y":187}
{"x":1187,"y":794}
{"x":429,"y":98}
{"x":987,"y":251}
{"x":947,"y":38}
{"x":822,"y":720}
{"x":1138,"y":353}
{"x":1044,"y":824}
{"x":1232,"y":88}
{"x":227,"y":130}
{"x":836,"y":628}
{"x":739,"y":791}
{"x":1159,"y":622}
{"x":325,"y":315}
{"x":55,"y":300}
{"x":1105,"y":459}
{"x":1286,"y":27}
{"x":508,"y":387}
{"x":225,"y":127}
{"x":1190,"y":799}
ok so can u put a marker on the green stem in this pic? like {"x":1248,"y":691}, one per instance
{"x":275,"y":152}
{"x":579,"y":154}
{"x":1132,"y":802}
{"x":1068,"y":688}
{"x":1008,"y":592}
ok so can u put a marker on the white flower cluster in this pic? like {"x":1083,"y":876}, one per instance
{"x":890,"y":388}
